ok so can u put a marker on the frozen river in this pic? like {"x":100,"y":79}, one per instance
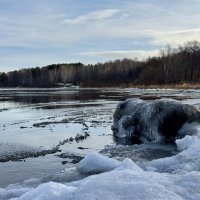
{"x":45,"y":132}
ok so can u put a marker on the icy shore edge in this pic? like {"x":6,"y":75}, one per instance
{"x":176,"y":177}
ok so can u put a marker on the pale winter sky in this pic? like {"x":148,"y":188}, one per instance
{"x":41,"y":32}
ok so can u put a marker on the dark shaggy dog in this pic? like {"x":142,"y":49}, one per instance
{"x":139,"y":121}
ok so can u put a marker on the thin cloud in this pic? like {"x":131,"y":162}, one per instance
{"x":175,"y":37}
{"x":97,"y":15}
{"x":139,"y":54}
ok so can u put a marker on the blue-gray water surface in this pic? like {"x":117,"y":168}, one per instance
{"x":44,"y":132}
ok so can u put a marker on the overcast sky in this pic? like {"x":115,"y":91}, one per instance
{"x":41,"y":32}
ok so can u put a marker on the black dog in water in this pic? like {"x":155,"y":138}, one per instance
{"x":137,"y":121}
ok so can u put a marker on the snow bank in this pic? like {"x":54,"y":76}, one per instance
{"x":12,"y":192}
{"x":186,"y":161}
{"x":128,"y":180}
{"x":96,"y":163}
{"x":48,"y":191}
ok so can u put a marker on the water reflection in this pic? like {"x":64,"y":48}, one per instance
{"x":57,"y":95}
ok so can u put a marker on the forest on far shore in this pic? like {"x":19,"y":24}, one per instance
{"x":172,"y":66}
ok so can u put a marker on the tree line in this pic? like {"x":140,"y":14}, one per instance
{"x":171,"y":66}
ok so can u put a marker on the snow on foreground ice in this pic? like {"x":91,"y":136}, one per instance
{"x":187,"y":160}
{"x":150,"y":180}
{"x":96,"y":163}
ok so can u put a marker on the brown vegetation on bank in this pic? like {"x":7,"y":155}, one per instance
{"x":173,"y":68}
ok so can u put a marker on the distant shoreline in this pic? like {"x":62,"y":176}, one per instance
{"x":126,"y":85}
{"x":143,"y":86}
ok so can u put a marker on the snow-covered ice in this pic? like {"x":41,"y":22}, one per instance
{"x":187,"y":160}
{"x":96,"y":163}
{"x":126,"y":179}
